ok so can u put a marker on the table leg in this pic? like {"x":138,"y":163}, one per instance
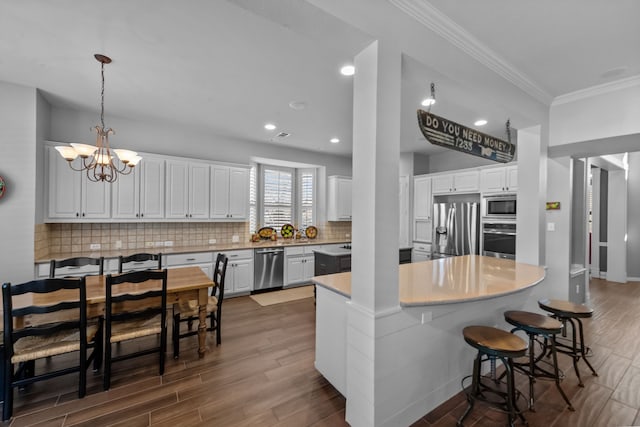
{"x":202,"y":325}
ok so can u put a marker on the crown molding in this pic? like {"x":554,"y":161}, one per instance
{"x":441,"y":24}
{"x":602,"y":89}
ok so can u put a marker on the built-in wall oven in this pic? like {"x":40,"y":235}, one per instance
{"x":499,"y":238}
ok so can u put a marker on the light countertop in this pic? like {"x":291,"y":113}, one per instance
{"x":451,"y":280}
{"x":191,"y":249}
{"x":345,"y":251}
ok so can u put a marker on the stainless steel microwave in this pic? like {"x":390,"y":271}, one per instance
{"x":503,"y":206}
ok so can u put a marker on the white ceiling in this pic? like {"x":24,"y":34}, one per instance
{"x":229,"y":67}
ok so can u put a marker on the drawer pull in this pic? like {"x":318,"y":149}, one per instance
{"x":191,"y":259}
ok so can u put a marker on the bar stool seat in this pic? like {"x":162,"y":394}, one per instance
{"x":535,"y":325}
{"x":494,"y":343}
{"x":570,"y":313}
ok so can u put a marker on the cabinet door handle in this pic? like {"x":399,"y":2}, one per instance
{"x":137,"y":215}
{"x":77,"y":214}
{"x":141,"y":215}
{"x":82,"y":213}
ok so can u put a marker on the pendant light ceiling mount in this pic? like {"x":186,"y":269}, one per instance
{"x":98,"y":161}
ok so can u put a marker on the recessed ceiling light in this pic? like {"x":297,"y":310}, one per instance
{"x":298,"y":105}
{"x":480,"y":122}
{"x":334,"y":140}
{"x":348,"y":70}
{"x":269,"y":126}
{"x":428,"y":101}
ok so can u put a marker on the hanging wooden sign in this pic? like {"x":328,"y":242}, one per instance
{"x":445,"y":133}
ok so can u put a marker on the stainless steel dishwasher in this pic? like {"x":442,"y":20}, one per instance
{"x":269,"y":269}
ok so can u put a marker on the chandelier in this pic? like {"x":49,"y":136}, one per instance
{"x":98,"y":161}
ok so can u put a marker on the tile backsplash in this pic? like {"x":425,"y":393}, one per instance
{"x":57,"y":238}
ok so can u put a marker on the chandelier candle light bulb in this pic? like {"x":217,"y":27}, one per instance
{"x":97,"y":161}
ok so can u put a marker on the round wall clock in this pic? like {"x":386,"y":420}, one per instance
{"x":3,"y":187}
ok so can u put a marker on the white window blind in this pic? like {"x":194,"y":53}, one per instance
{"x":253,"y":199}
{"x":307,"y":179}
{"x":277,"y":197}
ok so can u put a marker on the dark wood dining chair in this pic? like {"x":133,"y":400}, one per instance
{"x":64,"y":329}
{"x":133,"y":312}
{"x":138,"y":258}
{"x":187,"y":311}
{"x":75,"y":262}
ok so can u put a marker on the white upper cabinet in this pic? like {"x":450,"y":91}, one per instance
{"x":160,"y":187}
{"x":177,"y":206}
{"x":499,"y":179}
{"x":140,"y":195}
{"x":339,"y":199}
{"x":442,"y":184}
{"x":152,"y":191}
{"x":512,"y":178}
{"x":71,"y":194}
{"x":187,"y":190}
{"x":229,"y":192}
{"x":422,"y":200}
{"x":199,"y":190}
{"x":238,"y":193}
{"x":460,"y":182}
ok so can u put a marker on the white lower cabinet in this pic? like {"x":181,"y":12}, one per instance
{"x":421,"y":252}
{"x":42,"y":270}
{"x":204,"y":260}
{"x":239,"y":277}
{"x":300,"y":264}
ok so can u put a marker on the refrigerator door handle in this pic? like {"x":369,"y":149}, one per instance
{"x":441,"y":230}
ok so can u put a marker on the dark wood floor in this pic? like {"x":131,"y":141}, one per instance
{"x":610,"y":399}
{"x":263,"y":375}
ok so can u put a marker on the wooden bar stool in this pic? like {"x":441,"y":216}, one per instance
{"x":568,"y":312}
{"x":535,"y":325}
{"x":494,"y":343}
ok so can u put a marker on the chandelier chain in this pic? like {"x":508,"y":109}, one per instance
{"x":102,"y":95}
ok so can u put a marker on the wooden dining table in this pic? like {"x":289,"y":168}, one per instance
{"x":183,"y":283}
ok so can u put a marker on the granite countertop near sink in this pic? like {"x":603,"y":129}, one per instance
{"x":189,"y":249}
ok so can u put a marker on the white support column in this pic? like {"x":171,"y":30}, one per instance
{"x":532,"y":165}
{"x":558,"y":228}
{"x":374,"y":277}
{"x":617,"y":227}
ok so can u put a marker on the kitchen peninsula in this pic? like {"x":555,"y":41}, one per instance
{"x":422,"y":348}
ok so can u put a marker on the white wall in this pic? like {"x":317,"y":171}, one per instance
{"x":453,"y":160}
{"x":600,"y":112}
{"x":181,"y":140}
{"x":18,"y":168}
{"x":602,"y":116}
{"x":43,"y":125}
{"x":532,"y":187}
{"x":558,"y":242}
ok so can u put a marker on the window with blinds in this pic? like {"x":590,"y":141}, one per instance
{"x":253,"y":199}
{"x":277,"y":197}
{"x":307,"y":197}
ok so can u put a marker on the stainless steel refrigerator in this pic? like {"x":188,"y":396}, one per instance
{"x":456,"y":228}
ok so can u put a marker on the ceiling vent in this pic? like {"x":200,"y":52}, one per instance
{"x":282,"y":135}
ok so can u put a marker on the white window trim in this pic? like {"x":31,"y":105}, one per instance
{"x":296,"y":191}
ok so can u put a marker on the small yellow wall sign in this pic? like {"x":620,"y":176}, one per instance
{"x":553,"y":206}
